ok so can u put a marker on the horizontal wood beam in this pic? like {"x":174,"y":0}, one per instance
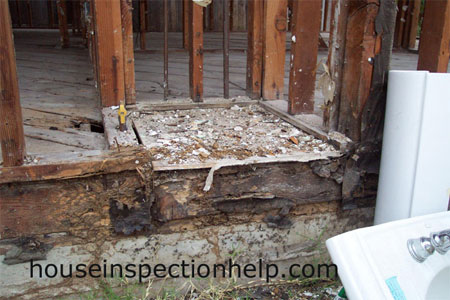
{"x":434,"y":47}
{"x":11,"y":126}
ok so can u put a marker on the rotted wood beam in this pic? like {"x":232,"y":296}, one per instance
{"x":61,"y":7}
{"x":128,"y":51}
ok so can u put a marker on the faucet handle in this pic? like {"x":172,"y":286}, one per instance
{"x":441,"y":241}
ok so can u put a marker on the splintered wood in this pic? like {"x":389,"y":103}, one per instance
{"x":202,"y":135}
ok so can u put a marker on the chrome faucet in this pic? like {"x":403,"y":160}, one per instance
{"x":423,"y":247}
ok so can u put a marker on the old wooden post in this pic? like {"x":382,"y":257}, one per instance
{"x":62,"y":22}
{"x":338,"y":30}
{"x":186,"y":23}
{"x":196,"y":51}
{"x":255,"y":48}
{"x":274,"y":48}
{"x":306,"y":19}
{"x":128,"y":51}
{"x":142,"y":22}
{"x":11,"y":127}
{"x":434,"y":47}
{"x":357,"y":73}
{"x":109,"y":51}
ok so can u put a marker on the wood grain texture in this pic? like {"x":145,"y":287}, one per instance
{"x":142,"y":22}
{"x":108,"y":30}
{"x":358,"y":68}
{"x":11,"y":127}
{"x":76,"y":165}
{"x":275,"y":27}
{"x":186,"y":24}
{"x":306,"y":19}
{"x":338,"y":29}
{"x":128,"y":51}
{"x":434,"y":48}
{"x":196,"y":51}
{"x":255,"y":48}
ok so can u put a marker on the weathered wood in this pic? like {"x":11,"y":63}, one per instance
{"x":338,"y":29}
{"x":143,"y":108}
{"x":434,"y":49}
{"x":306,"y":19}
{"x":255,"y":48}
{"x":76,"y":165}
{"x":357,"y":73}
{"x":78,"y":206}
{"x":400,"y":22}
{"x":128,"y":51}
{"x":196,"y":51}
{"x":274,"y":48}
{"x":407,"y":26}
{"x":61,"y":7}
{"x":415,"y":14}
{"x":108,"y":32}
{"x":186,"y":24}
{"x":116,"y":138}
{"x":259,"y":188}
{"x":142,"y":22}
{"x":373,"y":113}
{"x":226,"y":49}
{"x":30,"y":13}
{"x":11,"y":128}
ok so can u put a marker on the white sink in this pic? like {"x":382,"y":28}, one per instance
{"x":374,"y":262}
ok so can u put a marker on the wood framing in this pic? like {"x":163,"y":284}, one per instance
{"x":414,"y":24}
{"x":142,"y":22}
{"x":128,"y":51}
{"x":186,"y":24}
{"x":196,"y":51}
{"x":306,"y":18}
{"x":357,"y":72}
{"x":434,"y":49}
{"x":109,"y":48}
{"x":255,"y":48}
{"x":61,"y":6}
{"x":275,"y":26}
{"x":338,"y":30}
{"x":11,"y":127}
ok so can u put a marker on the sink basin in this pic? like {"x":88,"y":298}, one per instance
{"x":440,"y":285}
{"x":374,"y":262}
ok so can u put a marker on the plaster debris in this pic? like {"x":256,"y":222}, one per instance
{"x":199,"y":135}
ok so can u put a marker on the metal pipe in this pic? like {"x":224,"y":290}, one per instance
{"x":226,"y":48}
{"x":166,"y":49}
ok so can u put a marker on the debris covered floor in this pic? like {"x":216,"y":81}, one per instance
{"x":197,"y":135}
{"x":59,"y":101}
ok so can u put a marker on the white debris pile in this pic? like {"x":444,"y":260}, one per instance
{"x":196,"y":135}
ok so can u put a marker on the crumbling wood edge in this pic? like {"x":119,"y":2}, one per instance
{"x":161,"y":165}
{"x":78,"y":166}
{"x":199,"y":105}
{"x":334,"y":138}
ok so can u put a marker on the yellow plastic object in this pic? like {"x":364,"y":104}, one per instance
{"x":122,"y":114}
